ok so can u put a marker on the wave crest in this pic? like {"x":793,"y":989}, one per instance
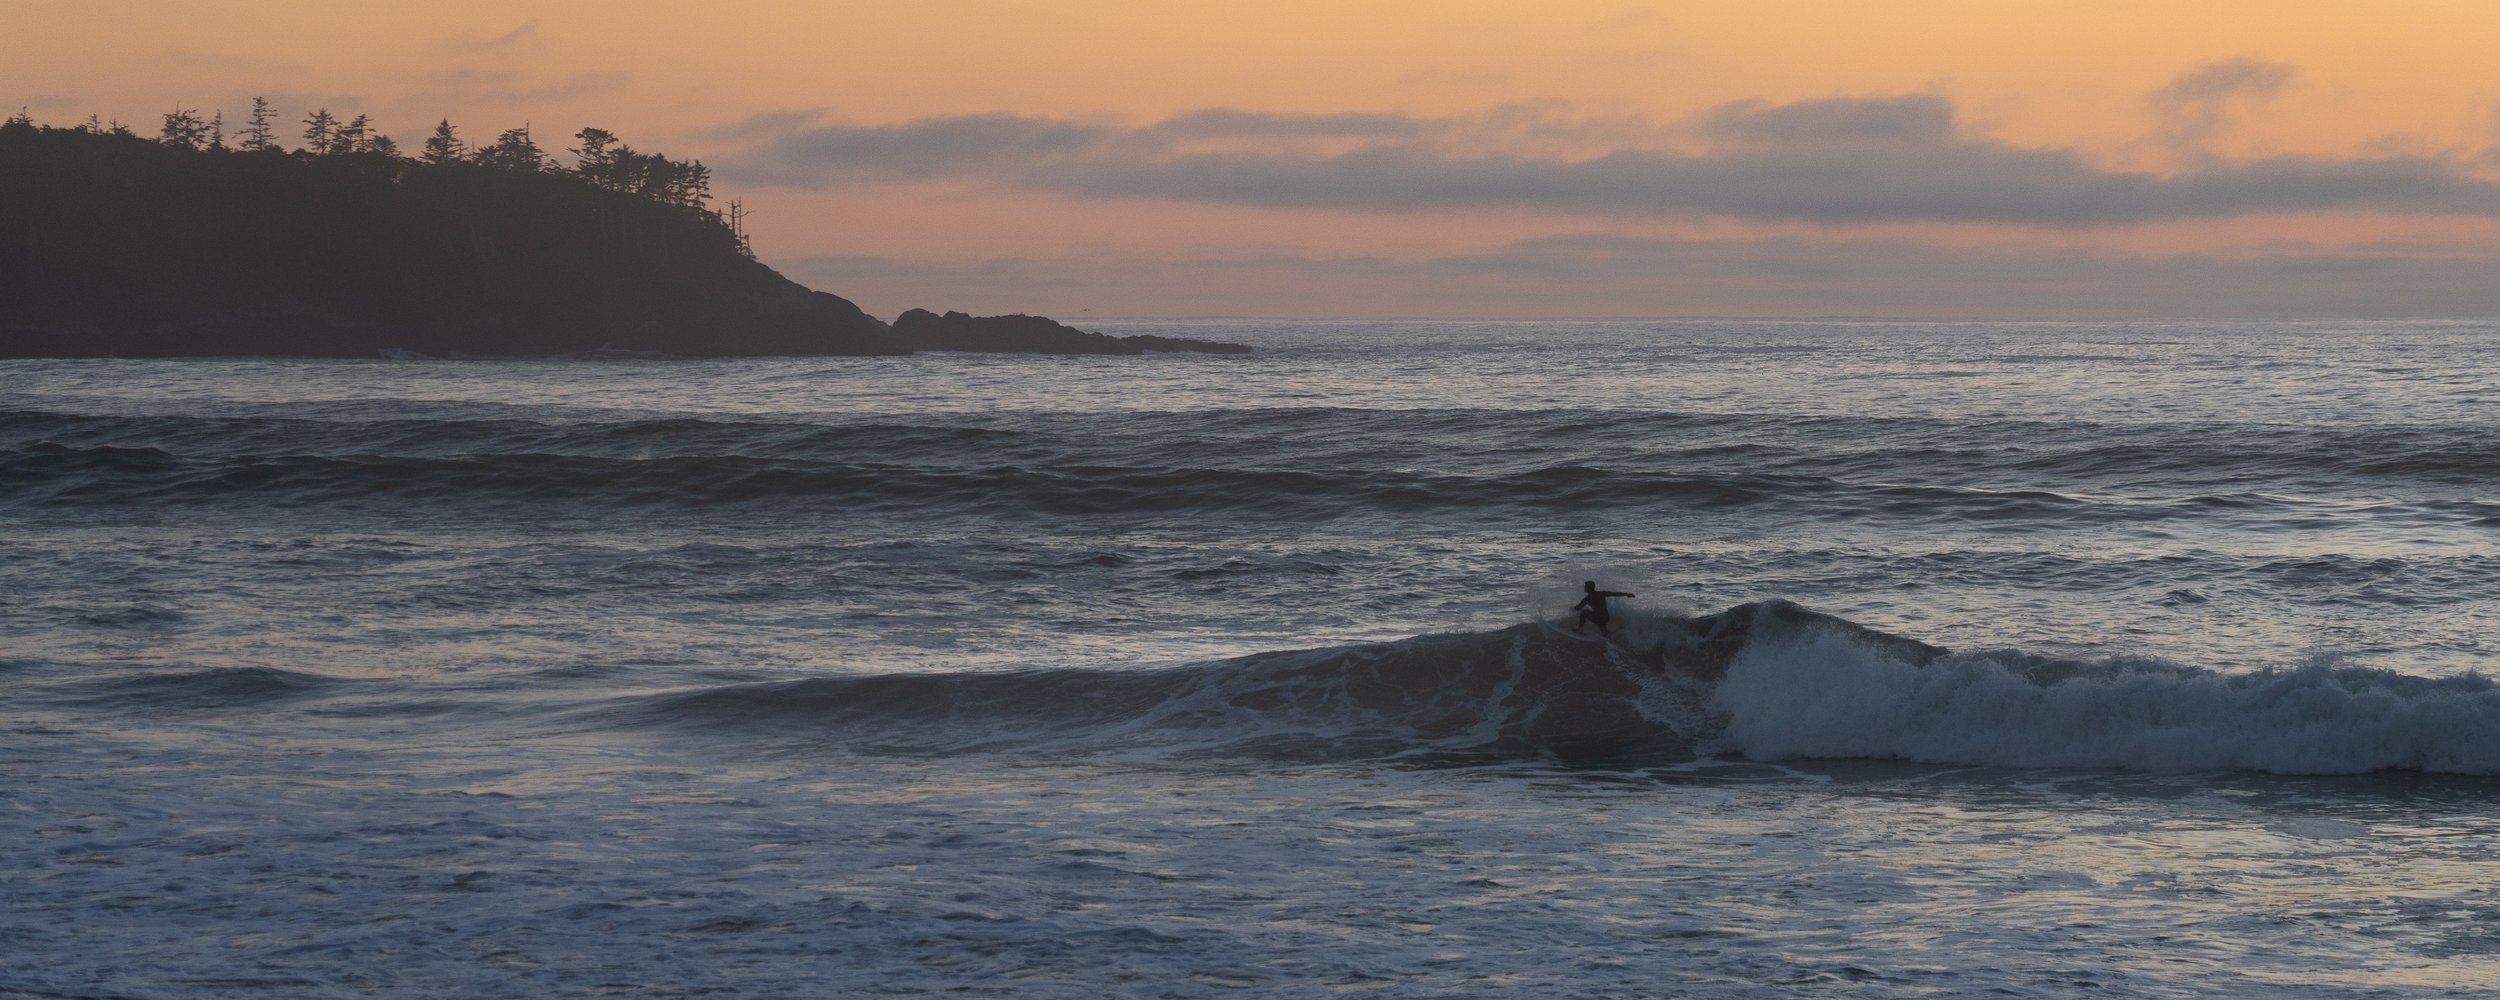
{"x":1520,"y":691}
{"x":1529,"y":690}
{"x":1815,"y":696}
{"x":1765,"y":681}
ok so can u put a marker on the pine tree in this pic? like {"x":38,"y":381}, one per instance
{"x":383,"y":146}
{"x":353,"y":137}
{"x":217,"y":131}
{"x":321,"y":132}
{"x":184,"y":128}
{"x":444,"y":146}
{"x":514,"y":150}
{"x":692,"y":186}
{"x":259,"y":136}
{"x":736,"y":218}
{"x":594,"y":160}
{"x":20,"y":120}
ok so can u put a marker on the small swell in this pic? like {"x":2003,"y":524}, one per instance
{"x":214,"y":687}
{"x":1293,"y":462}
{"x":64,"y":476}
{"x":134,"y":616}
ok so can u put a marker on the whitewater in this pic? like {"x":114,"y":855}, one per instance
{"x":2030,"y":659}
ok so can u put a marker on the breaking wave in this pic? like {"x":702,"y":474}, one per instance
{"x":1766,"y":681}
{"x":1816,"y":697}
{"x":1523,"y":691}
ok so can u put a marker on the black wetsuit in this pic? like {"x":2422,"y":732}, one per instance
{"x":1593,"y":608}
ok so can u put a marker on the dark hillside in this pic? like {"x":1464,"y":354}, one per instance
{"x":116,"y":245}
{"x":927,"y":331}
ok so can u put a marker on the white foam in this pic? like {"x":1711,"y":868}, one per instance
{"x":1823,"y":696}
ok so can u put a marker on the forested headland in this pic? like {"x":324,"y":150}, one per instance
{"x":194,"y":242}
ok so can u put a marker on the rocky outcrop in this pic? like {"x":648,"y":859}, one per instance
{"x":922,"y":330}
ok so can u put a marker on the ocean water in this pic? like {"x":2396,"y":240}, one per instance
{"x":1967,"y":660}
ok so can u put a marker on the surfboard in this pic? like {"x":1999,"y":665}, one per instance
{"x":1563,"y":631}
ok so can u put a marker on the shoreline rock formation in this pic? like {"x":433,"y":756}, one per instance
{"x":922,"y":330}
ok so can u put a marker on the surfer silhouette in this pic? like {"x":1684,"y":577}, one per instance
{"x":1593,"y":605}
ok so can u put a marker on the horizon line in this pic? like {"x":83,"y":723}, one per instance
{"x":1826,"y":318}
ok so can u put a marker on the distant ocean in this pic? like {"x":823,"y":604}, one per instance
{"x":1186,"y":675}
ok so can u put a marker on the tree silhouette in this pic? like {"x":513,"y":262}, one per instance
{"x":593,"y":157}
{"x":608,"y":163}
{"x":687,"y":183}
{"x":352,"y":137}
{"x":217,"y":131}
{"x":259,"y":136}
{"x":321,"y":132}
{"x":382,"y":145}
{"x":444,"y":146}
{"x":184,"y":128}
{"x":514,"y":150}
{"x":737,"y":217}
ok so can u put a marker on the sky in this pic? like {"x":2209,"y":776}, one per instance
{"x":1920,"y":158}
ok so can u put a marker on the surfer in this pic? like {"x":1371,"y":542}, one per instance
{"x":1592,"y":605}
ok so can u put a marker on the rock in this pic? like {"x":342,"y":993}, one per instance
{"x":922,"y":330}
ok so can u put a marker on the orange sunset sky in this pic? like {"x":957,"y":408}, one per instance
{"x":1945,"y":159}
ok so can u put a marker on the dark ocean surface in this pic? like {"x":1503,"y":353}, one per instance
{"x":1186,"y":675}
